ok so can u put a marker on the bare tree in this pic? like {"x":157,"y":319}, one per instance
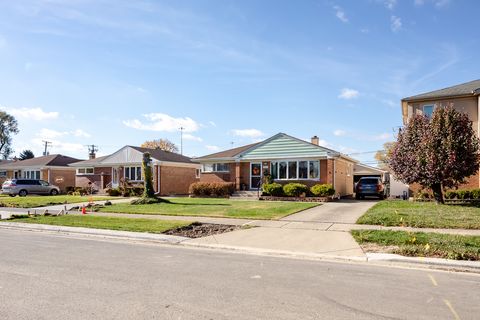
{"x":162,"y":144}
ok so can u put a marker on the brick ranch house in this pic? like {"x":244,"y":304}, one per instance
{"x":172,"y":172}
{"x":52,"y":168}
{"x":464,"y":97}
{"x":286,"y":158}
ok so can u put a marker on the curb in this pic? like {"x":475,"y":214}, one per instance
{"x":104,"y":233}
{"x":378,"y":259}
{"x":473,"y":266}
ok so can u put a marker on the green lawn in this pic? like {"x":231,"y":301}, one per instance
{"x":42,"y":201}
{"x":422,"y":215}
{"x":112,"y":223}
{"x":215,"y":208}
{"x":420,"y":244}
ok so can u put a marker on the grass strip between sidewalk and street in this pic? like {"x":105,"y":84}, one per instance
{"x":42,"y":201}
{"x":422,"y":215}
{"x":219,"y":208}
{"x":419,"y":244}
{"x":110,"y":223}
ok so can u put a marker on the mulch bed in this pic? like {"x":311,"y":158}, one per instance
{"x":198,"y":230}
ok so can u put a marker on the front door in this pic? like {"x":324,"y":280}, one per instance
{"x":255,"y":175}
{"x":115,"y":177}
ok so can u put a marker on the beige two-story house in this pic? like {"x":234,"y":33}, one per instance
{"x":464,"y":97}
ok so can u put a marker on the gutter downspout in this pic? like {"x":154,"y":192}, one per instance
{"x":334,"y":166}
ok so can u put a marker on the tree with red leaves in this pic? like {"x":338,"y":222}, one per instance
{"x":437,"y":153}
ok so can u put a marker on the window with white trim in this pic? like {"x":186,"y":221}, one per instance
{"x":3,"y":174}
{"x":31,"y":174}
{"x":133,"y":173}
{"x":295,"y":170}
{"x":81,"y":171}
{"x":216,"y":167}
{"x":197,"y":173}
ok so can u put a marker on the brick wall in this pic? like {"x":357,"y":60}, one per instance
{"x":176,"y":180}
{"x":83,"y":180}
{"x":61,"y":178}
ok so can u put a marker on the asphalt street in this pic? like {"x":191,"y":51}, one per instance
{"x":50,"y":276}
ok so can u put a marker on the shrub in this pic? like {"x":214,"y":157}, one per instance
{"x":295,"y":189}
{"x":273,"y":189}
{"x":322,"y":190}
{"x":113,"y":192}
{"x":422,"y":194}
{"x":475,"y":194}
{"x":215,"y":189}
{"x":451,"y":194}
{"x":463,"y":194}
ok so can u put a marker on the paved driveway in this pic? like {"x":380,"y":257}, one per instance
{"x":343,"y":211}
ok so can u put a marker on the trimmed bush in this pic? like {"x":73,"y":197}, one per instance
{"x":295,"y":189}
{"x":463,"y":194}
{"x":451,"y":194}
{"x":322,"y":190}
{"x":212,"y":189}
{"x":113,"y":192}
{"x":273,"y":189}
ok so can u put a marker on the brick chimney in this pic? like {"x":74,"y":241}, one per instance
{"x":91,"y":155}
{"x":315,"y":140}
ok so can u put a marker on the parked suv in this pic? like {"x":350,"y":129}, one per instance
{"x":370,"y":186}
{"x":22,"y":187}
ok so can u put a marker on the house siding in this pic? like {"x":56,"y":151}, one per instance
{"x":285,"y":147}
{"x":176,"y":180}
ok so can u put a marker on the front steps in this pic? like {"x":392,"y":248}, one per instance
{"x":246,"y":195}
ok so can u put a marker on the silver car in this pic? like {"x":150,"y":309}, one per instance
{"x":23,"y":187}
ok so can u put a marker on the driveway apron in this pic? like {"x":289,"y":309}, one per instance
{"x":343,"y":211}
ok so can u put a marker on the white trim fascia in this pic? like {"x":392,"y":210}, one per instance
{"x":179,"y":164}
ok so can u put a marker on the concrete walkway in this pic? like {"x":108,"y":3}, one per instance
{"x":343,"y":211}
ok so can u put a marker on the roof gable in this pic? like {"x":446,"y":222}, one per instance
{"x":284,"y":146}
{"x":125,"y":155}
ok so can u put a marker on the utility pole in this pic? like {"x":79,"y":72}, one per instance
{"x":47,"y":144}
{"x":181,"y":139}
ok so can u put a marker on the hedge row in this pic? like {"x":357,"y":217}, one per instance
{"x":212,"y":189}
{"x":297,"y":189}
{"x":473,"y":194}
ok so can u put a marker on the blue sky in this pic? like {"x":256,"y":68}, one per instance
{"x":116,"y":72}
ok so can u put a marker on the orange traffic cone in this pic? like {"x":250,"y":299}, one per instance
{"x":84,"y":210}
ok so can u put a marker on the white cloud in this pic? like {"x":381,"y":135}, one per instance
{"x":60,"y":147}
{"x":389,"y":103}
{"x":340,"y":14}
{"x":81,"y":134}
{"x":396,"y":23}
{"x":390,"y":4}
{"x":339,"y":133}
{"x":347,"y":93}
{"x":212,"y":148}
{"x":188,"y":136}
{"x":213,"y":124}
{"x":250,"y":133}
{"x":52,"y":134}
{"x":436,"y":3}
{"x":36,"y":114}
{"x":383,"y":136}
{"x":163,"y":122}
{"x":365,"y":30}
